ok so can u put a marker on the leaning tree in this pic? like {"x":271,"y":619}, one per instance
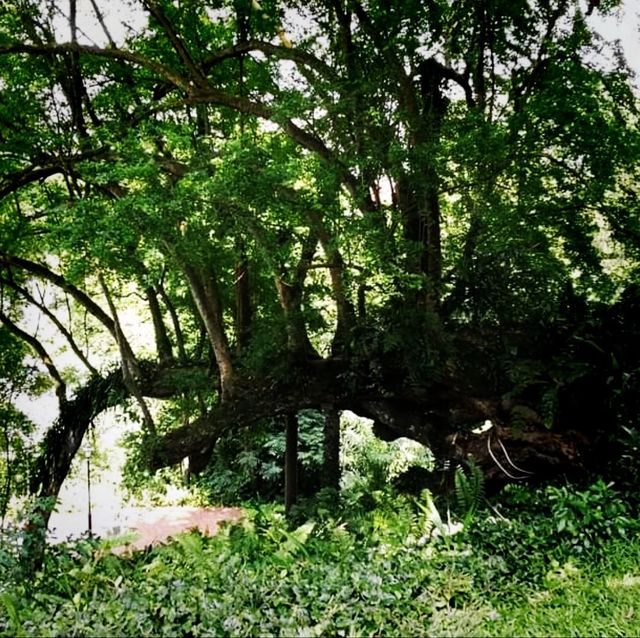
{"x":423,"y":212}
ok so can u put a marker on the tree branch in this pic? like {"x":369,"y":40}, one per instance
{"x":114,"y":54}
{"x":45,"y":273}
{"x":100,"y":18}
{"x":65,"y":333}
{"x":175,"y":320}
{"x":405,"y":90}
{"x":201,"y":94}
{"x":282,"y":53}
{"x":176,"y":42}
{"x":54,"y":166}
{"x":130,"y":368}
{"x":60,"y":385}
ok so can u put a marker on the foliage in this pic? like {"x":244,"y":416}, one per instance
{"x":345,"y":572}
{"x":15,"y":428}
{"x":469,"y":490}
{"x":532,"y":527}
{"x":589,"y":516}
{"x":249,"y":466}
{"x":369,"y":464}
{"x":350,"y":193}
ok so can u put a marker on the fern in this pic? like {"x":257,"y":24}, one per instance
{"x":469,"y":489}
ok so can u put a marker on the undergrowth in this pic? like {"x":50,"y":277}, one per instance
{"x":550,"y":561}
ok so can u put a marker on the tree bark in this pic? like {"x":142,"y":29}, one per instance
{"x":331,"y":444}
{"x":175,"y":321}
{"x":344,"y":309}
{"x":291,"y":461}
{"x":163,"y":345}
{"x":298,"y":342}
{"x":204,"y":289}
{"x":129,"y":363}
{"x":243,"y":302}
{"x":290,"y":297}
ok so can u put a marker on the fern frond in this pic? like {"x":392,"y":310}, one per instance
{"x":469,"y":489}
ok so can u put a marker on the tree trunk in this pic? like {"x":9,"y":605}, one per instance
{"x":204,"y":289}
{"x":243,"y":302}
{"x":297,"y":338}
{"x":331,"y":466}
{"x":291,"y":461}
{"x":163,"y":345}
{"x":344,"y":309}
{"x":290,"y":297}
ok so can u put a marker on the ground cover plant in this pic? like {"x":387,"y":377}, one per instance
{"x":534,"y":565}
{"x":223,"y":212}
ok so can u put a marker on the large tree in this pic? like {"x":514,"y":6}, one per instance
{"x":424,"y":212}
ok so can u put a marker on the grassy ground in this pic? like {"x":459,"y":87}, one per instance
{"x":578,"y":598}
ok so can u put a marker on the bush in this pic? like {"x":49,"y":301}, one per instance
{"x":249,"y":465}
{"x":588,"y":517}
{"x":347,"y":570}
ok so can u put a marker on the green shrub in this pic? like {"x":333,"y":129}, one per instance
{"x":249,"y":464}
{"x":585,"y":518}
{"x":349,"y":570}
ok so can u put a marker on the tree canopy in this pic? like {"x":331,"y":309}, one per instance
{"x":425,"y":212}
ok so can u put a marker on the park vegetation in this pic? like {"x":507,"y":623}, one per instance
{"x":242,"y":219}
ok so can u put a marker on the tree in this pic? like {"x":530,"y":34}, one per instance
{"x":392,"y":208}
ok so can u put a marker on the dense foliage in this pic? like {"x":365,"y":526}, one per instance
{"x":556,"y":561}
{"x":423,"y":212}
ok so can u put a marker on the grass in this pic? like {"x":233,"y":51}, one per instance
{"x":578,"y":598}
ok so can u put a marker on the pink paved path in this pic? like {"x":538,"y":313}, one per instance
{"x":157,"y":525}
{"x":151,"y":525}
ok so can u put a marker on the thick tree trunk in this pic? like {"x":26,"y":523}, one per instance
{"x":345,"y":314}
{"x":298,"y":343}
{"x":290,"y":297}
{"x":204,"y":289}
{"x":163,"y":345}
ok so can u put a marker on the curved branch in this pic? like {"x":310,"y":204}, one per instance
{"x":282,"y":53}
{"x":65,"y":333}
{"x":61,"y":386}
{"x":200,"y":94}
{"x":304,"y":138}
{"x":113,"y":54}
{"x":59,"y":165}
{"x":45,"y":273}
{"x":27,"y":176}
